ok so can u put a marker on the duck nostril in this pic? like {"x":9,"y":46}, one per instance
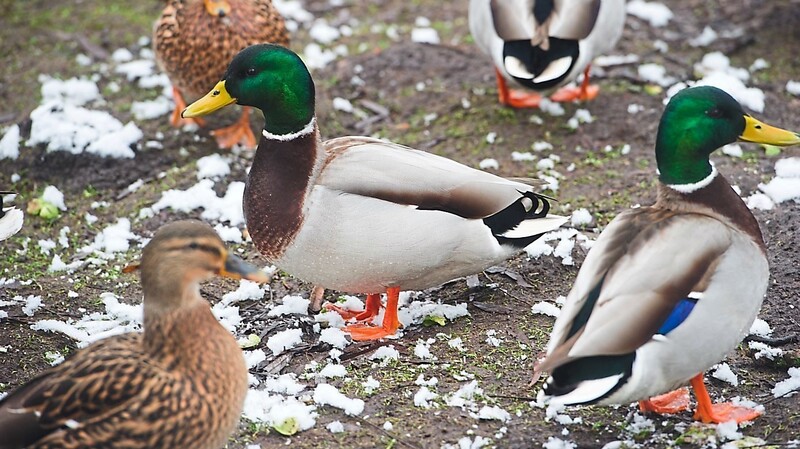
{"x":221,"y":12}
{"x":215,"y":93}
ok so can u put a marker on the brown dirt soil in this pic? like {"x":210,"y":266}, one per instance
{"x":604,"y":182}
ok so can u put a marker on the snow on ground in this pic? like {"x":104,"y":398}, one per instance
{"x":118,"y":318}
{"x":788,"y":386}
{"x":785,"y":185}
{"x":657,"y":14}
{"x":9,"y":144}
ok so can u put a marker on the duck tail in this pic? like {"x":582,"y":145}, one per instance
{"x":524,"y":221}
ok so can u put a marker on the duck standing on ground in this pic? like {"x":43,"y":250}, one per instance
{"x":668,"y":290}
{"x":195,"y":39}
{"x":363,"y":215}
{"x":10,"y":218}
{"x":180,"y":383}
{"x":540,"y":45}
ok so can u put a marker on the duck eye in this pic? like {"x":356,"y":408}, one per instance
{"x":251,"y":71}
{"x":194,"y":245}
{"x":714,"y":113}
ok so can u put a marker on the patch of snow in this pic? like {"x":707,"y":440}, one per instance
{"x":9,"y":144}
{"x":724,"y":373}
{"x":728,"y":431}
{"x":516,"y":156}
{"x":705,"y":38}
{"x":284,"y":340}
{"x":489,"y":164}
{"x":581,"y":217}
{"x":323,"y":33}
{"x":260,"y":406}
{"x":425,"y":36}
{"x":546,"y":308}
{"x":760,"y":328}
{"x":228,"y":233}
{"x":385,"y":354}
{"x":54,"y":196}
{"x":150,"y":109}
{"x":343,"y":104}
{"x":213,"y":166}
{"x":227,"y":208}
{"x":291,"y":305}
{"x":788,"y":386}
{"x":733,"y":150}
{"x":335,"y":427}
{"x":793,"y":87}
{"x":326,"y":394}
{"x":655,"y":73}
{"x":558,"y":443}
{"x":333,"y":370}
{"x":759,"y":201}
{"x":423,"y":396}
{"x":765,"y":350}
{"x":657,"y":14}
{"x":493,"y":413}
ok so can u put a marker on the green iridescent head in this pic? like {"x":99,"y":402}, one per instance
{"x":699,"y":120}
{"x":268,"y":77}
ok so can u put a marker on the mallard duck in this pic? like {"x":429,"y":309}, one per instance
{"x":195,"y":39}
{"x":180,"y":383}
{"x":668,"y":290}
{"x":540,"y":45}
{"x":363,"y":215}
{"x":10,"y":218}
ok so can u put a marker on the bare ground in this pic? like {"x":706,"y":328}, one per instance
{"x":40,"y":37}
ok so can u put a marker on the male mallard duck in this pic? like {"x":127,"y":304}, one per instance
{"x":543,"y":44}
{"x":668,"y":290}
{"x":10,"y":218}
{"x":195,"y":39}
{"x":180,"y":383}
{"x":363,"y":215}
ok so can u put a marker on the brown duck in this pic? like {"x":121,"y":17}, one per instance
{"x":194,"y":40}
{"x":179,"y":384}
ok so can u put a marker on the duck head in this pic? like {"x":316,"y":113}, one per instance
{"x":268,"y":77}
{"x":699,"y":120}
{"x":180,"y":256}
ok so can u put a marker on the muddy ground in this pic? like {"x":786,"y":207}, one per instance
{"x":412,"y":81}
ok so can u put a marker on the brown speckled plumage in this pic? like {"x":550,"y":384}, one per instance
{"x":194,"y":47}
{"x":181,"y":383}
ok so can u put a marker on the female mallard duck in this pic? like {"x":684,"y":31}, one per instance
{"x":180,"y":383}
{"x":10,"y":218}
{"x":543,"y":44}
{"x":668,"y":290}
{"x":195,"y":39}
{"x":363,"y":215}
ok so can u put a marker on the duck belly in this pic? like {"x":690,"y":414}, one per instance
{"x":358,"y":244}
{"x":718,"y":322}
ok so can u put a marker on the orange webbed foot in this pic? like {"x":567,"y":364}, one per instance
{"x":362,"y":332}
{"x":566,"y":94}
{"x":668,"y":403}
{"x":514,"y":98}
{"x":721,"y":412}
{"x":239,"y":132}
{"x":726,"y":411}
{"x":373,"y":307}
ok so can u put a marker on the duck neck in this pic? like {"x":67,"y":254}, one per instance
{"x":178,"y":334}
{"x":717,"y":198}
{"x":284,"y":168}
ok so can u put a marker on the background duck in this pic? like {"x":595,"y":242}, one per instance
{"x":540,"y":45}
{"x":362,"y":215}
{"x":668,"y":290}
{"x":10,"y":218}
{"x":195,"y":39}
{"x":180,"y":383}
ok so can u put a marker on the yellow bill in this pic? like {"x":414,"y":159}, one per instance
{"x":218,"y":98}
{"x":757,"y":131}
